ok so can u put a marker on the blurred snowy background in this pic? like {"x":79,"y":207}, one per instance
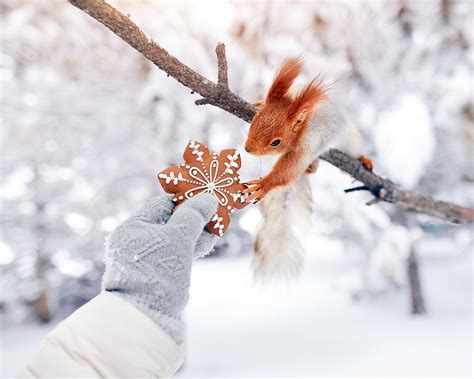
{"x":87,"y":122}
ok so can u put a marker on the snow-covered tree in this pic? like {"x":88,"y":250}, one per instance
{"x":87,"y":122}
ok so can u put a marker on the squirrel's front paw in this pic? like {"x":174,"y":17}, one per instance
{"x":256,"y":190}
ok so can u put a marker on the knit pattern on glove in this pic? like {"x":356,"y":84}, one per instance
{"x":148,"y":258}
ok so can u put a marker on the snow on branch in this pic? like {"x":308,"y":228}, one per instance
{"x":219,"y":95}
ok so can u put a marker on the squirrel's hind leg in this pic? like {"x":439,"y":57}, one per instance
{"x":366,"y":162}
{"x":352,"y":144}
{"x":313,"y":166}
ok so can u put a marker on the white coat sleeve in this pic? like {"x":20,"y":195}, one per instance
{"x":107,"y":337}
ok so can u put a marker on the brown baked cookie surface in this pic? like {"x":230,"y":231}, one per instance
{"x":214,"y":173}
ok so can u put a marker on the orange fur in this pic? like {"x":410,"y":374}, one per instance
{"x":283,"y":117}
{"x":286,"y":170}
{"x":283,"y":80}
{"x":311,"y":95}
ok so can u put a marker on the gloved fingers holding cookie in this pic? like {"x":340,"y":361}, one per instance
{"x":159,"y":215}
{"x":190,"y":218}
{"x":156,"y":210}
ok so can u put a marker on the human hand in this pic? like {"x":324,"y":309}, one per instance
{"x":148,"y":257}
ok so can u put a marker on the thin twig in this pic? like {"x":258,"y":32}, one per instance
{"x":354,"y":189}
{"x":219,"y":95}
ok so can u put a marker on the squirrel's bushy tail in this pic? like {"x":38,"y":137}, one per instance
{"x":286,"y":212}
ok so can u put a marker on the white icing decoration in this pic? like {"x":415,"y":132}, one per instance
{"x":206,"y":178}
{"x":210,"y":183}
{"x":195,"y":146}
{"x":236,"y":196}
{"x":218,"y":224}
{"x":172,"y":178}
{"x":231,"y":163}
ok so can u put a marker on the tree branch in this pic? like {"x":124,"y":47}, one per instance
{"x":386,"y":190}
{"x":219,"y":95}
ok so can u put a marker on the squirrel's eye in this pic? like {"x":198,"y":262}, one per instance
{"x":275,"y":143}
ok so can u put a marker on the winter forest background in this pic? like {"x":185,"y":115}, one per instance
{"x":87,"y":122}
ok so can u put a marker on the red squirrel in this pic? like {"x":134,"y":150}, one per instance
{"x":299,"y":127}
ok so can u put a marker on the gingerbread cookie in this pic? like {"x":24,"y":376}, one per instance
{"x":214,"y":173}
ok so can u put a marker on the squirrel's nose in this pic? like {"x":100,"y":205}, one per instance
{"x":247,"y":149}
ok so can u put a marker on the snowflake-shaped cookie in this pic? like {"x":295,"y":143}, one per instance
{"x":214,"y":173}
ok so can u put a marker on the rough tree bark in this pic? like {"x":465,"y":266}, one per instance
{"x":219,"y":95}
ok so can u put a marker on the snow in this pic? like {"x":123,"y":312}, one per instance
{"x":310,"y":326}
{"x":404,"y":133}
{"x":18,"y":344}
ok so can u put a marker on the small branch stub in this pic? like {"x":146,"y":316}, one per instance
{"x":202,"y":101}
{"x":222,"y":75}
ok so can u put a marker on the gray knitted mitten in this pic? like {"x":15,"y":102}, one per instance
{"x":148,"y":257}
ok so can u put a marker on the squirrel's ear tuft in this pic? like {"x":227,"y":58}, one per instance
{"x":308,"y":98}
{"x":284,"y":78}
